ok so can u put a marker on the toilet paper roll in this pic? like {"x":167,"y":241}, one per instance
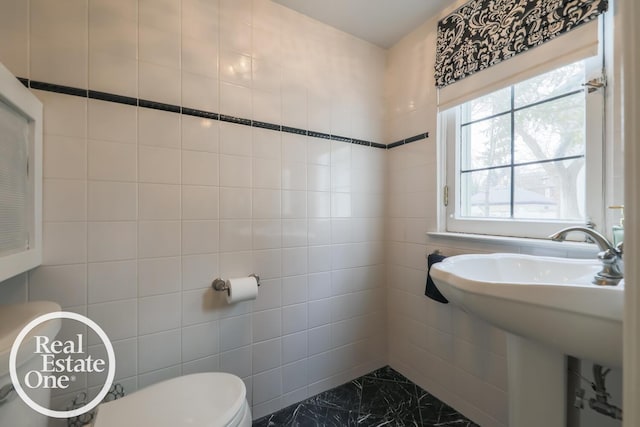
{"x":242,"y":289}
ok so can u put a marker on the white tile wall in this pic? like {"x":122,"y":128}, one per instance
{"x":144,"y":208}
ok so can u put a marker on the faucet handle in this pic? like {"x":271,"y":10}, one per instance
{"x":620,"y":248}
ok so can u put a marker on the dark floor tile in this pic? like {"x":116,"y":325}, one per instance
{"x":381,"y":398}
{"x":375,"y":421}
{"x":389,"y":399}
{"x":435,"y":413}
{"x":345,"y":397}
{"x":307,"y":415}
{"x":283,"y":417}
{"x":387,"y":373}
{"x":340,"y":418}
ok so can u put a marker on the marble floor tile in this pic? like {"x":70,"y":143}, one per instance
{"x":387,"y":373}
{"x":345,"y":397}
{"x":382,"y":398}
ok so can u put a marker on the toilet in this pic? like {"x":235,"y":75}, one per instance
{"x":211,"y":399}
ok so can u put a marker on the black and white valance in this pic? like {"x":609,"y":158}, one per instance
{"x":483,"y":33}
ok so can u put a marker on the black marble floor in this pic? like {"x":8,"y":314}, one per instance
{"x":381,"y":398}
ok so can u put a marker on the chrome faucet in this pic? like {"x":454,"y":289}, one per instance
{"x":610,"y":256}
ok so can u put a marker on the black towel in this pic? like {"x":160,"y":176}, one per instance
{"x":432,"y":291}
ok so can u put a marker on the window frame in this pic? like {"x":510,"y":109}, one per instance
{"x":24,"y":103}
{"x":450,"y":144}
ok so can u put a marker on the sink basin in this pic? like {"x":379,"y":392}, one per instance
{"x":548,"y":300}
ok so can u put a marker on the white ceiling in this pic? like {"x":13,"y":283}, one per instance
{"x":381,"y":22}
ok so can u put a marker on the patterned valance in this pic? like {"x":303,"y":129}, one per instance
{"x":483,"y":33}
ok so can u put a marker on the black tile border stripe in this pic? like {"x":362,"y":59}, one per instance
{"x":265,"y":125}
{"x":395,"y":144}
{"x":237,"y":120}
{"x":50,"y":87}
{"x":104,"y":96}
{"x":159,"y":106}
{"x":294,"y":130}
{"x":318,"y":134}
{"x":341,"y":138}
{"x":200,"y":113}
{"x":127,"y":100}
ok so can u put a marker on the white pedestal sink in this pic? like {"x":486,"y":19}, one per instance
{"x":550,"y":309}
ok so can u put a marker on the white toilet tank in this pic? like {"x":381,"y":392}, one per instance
{"x":211,"y":399}
{"x":14,"y":412}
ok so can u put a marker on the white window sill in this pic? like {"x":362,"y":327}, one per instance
{"x":575,"y":249}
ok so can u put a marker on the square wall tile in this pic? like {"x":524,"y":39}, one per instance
{"x":158,"y":276}
{"x":294,"y":318}
{"x":200,"y":92}
{"x":64,"y":243}
{"x":199,"y":202}
{"x":64,"y":200}
{"x":113,"y":74}
{"x":159,"y":165}
{"x":158,"y":128}
{"x":266,"y":204}
{"x":235,"y":235}
{"x":64,"y":157}
{"x":267,"y":355}
{"x":235,"y":139}
{"x":112,"y":241}
{"x":158,"y":351}
{"x":267,"y":385}
{"x":267,"y":325}
{"x":111,"y":281}
{"x":294,"y":290}
{"x":235,"y":203}
{"x":235,"y":100}
{"x":113,"y":161}
{"x":200,"y":341}
{"x":200,"y":237}
{"x":201,"y":306}
{"x":158,"y":201}
{"x":267,"y":234}
{"x":112,"y":201}
{"x":158,"y":239}
{"x":294,"y":347}
{"x":200,"y":134}
{"x":237,"y":362}
{"x":159,"y":83}
{"x":159,"y":313}
{"x":268,"y":263}
{"x":199,"y":271}
{"x":199,"y":168}
{"x":109,"y":121}
{"x":122,"y":326}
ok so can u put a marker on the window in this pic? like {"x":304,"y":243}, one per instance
{"x":517,"y":158}
{"x":20,"y":177}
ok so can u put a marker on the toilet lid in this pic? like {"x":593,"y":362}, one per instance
{"x":209,"y":399}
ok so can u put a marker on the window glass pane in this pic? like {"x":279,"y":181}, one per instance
{"x":554,"y":83}
{"x":550,"y":130}
{"x":486,"y":143}
{"x":552,"y":190}
{"x":14,"y":131}
{"x":487,"y":106}
{"x":486,"y":194}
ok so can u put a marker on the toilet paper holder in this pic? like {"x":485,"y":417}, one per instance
{"x":220,"y":285}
